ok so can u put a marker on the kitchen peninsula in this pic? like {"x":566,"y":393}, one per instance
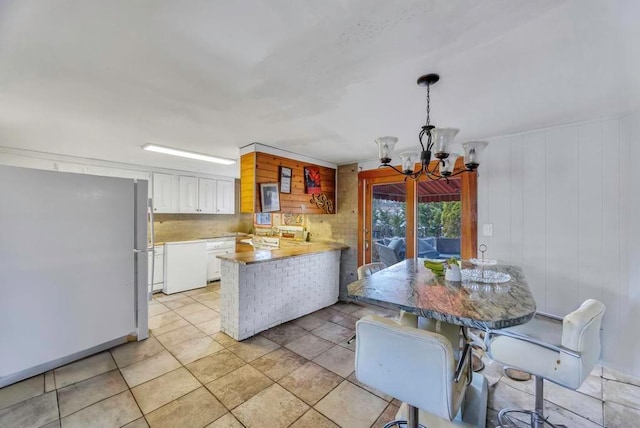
{"x":261,"y":289}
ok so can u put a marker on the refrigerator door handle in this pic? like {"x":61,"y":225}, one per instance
{"x":153,"y":246}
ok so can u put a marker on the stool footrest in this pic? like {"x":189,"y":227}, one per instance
{"x":537,"y":420}
{"x":400,"y":423}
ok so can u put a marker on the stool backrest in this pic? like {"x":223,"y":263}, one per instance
{"x":412,"y":365}
{"x":369,"y":269}
{"x":581,"y":331}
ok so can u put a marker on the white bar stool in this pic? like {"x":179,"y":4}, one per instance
{"x":419,"y":368}
{"x":561,"y":353}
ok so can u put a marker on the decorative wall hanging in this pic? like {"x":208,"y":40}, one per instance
{"x":312,"y":183}
{"x":322,"y":202}
{"x":285,"y":179}
{"x":269,"y":197}
{"x":292,"y":219}
{"x":263,"y":219}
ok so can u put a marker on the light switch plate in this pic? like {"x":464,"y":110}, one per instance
{"x":487,"y":229}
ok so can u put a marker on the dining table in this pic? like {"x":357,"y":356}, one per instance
{"x":412,"y":287}
{"x":470,"y":304}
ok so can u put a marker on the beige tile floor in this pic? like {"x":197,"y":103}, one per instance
{"x":300,"y":374}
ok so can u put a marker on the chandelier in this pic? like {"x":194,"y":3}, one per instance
{"x":438,"y":144}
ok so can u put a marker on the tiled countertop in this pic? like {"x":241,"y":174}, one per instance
{"x":262,"y":256}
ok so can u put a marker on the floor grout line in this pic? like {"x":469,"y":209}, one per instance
{"x":326,"y":313}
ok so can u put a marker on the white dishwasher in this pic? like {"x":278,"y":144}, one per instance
{"x":215,"y":248}
{"x":185,"y":266}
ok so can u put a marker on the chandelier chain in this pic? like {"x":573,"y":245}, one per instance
{"x":428,"y":105}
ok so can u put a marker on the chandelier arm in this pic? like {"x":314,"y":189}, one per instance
{"x":433,"y":172}
{"x":420,"y":136}
{"x":460,"y":172}
{"x":416,"y":174}
{"x":435,"y":177}
{"x":393,"y":168}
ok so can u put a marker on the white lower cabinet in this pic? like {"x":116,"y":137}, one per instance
{"x":156,"y":268}
{"x":185,"y":266}
{"x":214,"y":249}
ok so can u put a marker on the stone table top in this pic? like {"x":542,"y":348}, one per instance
{"x":262,"y":256}
{"x":410,"y":286}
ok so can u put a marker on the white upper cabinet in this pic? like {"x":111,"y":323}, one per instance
{"x":186,"y":194}
{"x":164,"y":196}
{"x":188,"y":191}
{"x":225,"y":197}
{"x":207,"y":196}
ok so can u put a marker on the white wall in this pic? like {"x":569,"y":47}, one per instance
{"x":563,"y":205}
{"x":55,"y":162}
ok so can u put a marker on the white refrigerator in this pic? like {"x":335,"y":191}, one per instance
{"x":73,"y":267}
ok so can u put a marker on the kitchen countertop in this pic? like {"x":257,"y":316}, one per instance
{"x":262,"y":256}
{"x":220,"y":235}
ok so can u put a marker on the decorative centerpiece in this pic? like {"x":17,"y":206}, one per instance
{"x":453,"y":271}
{"x":483,"y":275}
{"x":435,"y":265}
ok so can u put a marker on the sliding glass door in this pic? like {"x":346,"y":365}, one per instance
{"x":386,"y":231}
{"x":439,"y":218}
{"x":401,"y":219}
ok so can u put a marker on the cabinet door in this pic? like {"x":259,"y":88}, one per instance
{"x":158,"y":269}
{"x":188,"y":191}
{"x":207,"y":196}
{"x":213,"y":267}
{"x":225,"y":197}
{"x":163,"y":193}
{"x":150,"y":271}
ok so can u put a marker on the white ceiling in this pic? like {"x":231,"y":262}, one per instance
{"x":99,"y":79}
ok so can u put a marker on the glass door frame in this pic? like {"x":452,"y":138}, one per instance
{"x":469,"y":210}
{"x":366,"y":219}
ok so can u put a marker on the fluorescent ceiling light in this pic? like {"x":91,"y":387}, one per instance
{"x":187,"y":154}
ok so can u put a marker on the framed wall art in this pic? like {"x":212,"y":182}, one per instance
{"x":269,"y":197}
{"x":312,"y":183}
{"x":263,"y":219}
{"x":285,"y":179}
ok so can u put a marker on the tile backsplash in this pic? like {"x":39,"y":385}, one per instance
{"x":184,"y":227}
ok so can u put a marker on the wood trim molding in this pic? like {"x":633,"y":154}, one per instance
{"x":469,"y":226}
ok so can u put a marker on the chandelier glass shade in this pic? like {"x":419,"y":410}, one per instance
{"x":439,"y":142}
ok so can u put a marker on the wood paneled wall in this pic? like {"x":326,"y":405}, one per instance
{"x":563,"y":203}
{"x":247,"y":182}
{"x":256,"y":168}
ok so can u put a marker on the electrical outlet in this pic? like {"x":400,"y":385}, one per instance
{"x":487,"y":229}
